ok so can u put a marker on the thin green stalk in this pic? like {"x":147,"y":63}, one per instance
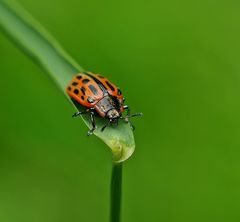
{"x":116,"y":192}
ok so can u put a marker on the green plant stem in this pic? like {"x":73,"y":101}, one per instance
{"x":116,"y":192}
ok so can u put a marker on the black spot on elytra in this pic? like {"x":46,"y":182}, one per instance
{"x":110,"y":86}
{"x":79,"y":77}
{"x":82,"y":97}
{"x":90,"y":99}
{"x":69,"y":88}
{"x":74,"y":83}
{"x":93,"y":89}
{"x":76,"y":91}
{"x":85,"y":81}
{"x":83,"y":90}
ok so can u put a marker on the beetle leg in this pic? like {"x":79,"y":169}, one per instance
{"x":129,"y":115}
{"x":104,"y":127}
{"x":131,"y":125}
{"x":79,"y":113}
{"x":126,"y":119}
{"x":135,"y":114}
{"x":90,"y":132}
{"x":128,"y":109}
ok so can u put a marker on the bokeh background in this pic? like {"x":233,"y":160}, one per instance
{"x":178,"y":63}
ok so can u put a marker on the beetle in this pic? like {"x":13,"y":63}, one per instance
{"x":99,"y":97}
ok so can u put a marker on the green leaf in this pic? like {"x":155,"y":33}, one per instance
{"x":36,"y":42}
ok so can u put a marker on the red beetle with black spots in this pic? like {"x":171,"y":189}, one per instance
{"x":99,"y":97}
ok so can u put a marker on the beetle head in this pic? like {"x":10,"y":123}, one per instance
{"x":113,"y":115}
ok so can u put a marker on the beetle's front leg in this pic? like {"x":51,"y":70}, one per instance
{"x":129,"y":115}
{"x":126,"y":107}
{"x":126,"y":118}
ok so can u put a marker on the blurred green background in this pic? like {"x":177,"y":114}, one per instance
{"x":178,"y":63}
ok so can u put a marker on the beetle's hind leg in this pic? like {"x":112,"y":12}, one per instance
{"x":90,"y":132}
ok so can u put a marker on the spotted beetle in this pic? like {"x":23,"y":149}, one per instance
{"x":99,"y":97}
